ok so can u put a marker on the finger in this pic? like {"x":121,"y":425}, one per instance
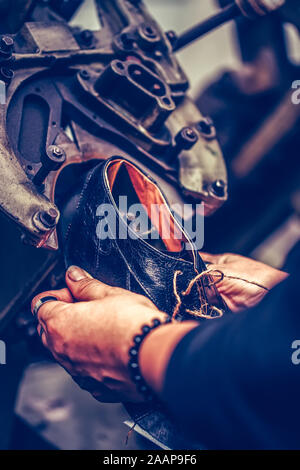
{"x":208,"y":258}
{"x":63,"y":295}
{"x":42,"y":335}
{"x":84,"y":287}
{"x":44,"y":310}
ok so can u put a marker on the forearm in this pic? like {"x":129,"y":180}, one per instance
{"x":157,"y":349}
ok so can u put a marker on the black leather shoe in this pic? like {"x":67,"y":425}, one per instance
{"x":116,"y":250}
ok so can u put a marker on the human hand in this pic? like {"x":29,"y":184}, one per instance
{"x":90,"y":329}
{"x":245,"y":282}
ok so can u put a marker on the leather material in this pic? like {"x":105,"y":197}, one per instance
{"x":135,"y":265}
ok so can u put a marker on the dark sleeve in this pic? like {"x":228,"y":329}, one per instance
{"x":232,"y":383}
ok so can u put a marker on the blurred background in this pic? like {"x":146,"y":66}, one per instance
{"x":241,"y":76}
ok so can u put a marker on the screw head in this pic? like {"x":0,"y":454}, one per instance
{"x":57,"y":151}
{"x":189,"y":134}
{"x":49,"y":218}
{"x":54,"y":157}
{"x":87,"y":37}
{"x":186,"y":139}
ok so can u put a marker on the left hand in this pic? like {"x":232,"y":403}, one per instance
{"x":90,"y":329}
{"x":246,"y":281}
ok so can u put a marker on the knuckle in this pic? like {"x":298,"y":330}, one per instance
{"x":115,"y":291}
{"x":51,"y":325}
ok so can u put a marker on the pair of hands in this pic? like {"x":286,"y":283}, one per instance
{"x":90,"y":328}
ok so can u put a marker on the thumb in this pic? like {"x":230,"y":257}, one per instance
{"x":83,"y":286}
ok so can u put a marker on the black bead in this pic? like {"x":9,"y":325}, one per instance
{"x":133,"y":362}
{"x":137,"y":378}
{"x":138,"y":339}
{"x":133,"y":365}
{"x":133,"y":352}
{"x":146,"y":329}
{"x":143,"y":389}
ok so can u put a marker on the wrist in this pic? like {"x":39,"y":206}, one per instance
{"x":277,"y":277}
{"x":139,"y":316}
{"x":134,"y":353}
{"x":156,"y":351}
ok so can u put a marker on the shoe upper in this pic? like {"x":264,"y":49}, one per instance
{"x":122,"y":257}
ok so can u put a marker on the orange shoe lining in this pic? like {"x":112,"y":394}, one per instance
{"x":154,"y":202}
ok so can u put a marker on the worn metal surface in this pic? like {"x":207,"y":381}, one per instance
{"x":122,"y":85}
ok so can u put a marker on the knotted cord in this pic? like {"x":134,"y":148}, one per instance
{"x":204,"y":305}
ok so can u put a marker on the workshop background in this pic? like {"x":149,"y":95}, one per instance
{"x":250,"y":107}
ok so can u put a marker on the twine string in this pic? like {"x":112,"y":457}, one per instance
{"x":205,"y":307}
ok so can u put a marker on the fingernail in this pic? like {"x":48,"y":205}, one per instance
{"x":77,"y":274}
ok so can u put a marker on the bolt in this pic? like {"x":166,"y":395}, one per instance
{"x":52,"y":160}
{"x":218,"y":187}
{"x":87,"y":37}
{"x":84,"y":74}
{"x":54,"y":157}
{"x":184,"y":140}
{"x":149,"y":32}
{"x":172,"y":36}
{"x":49,"y":218}
{"x":6,"y":43}
{"x":6,"y":75}
{"x":57,"y":152}
{"x":187,"y":137}
{"x":148,"y":36}
{"x":127,"y":40}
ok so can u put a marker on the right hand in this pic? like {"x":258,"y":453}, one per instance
{"x":89,"y":330}
{"x":246,"y":281}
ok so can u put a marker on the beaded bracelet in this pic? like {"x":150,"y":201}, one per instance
{"x":133,"y":364}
